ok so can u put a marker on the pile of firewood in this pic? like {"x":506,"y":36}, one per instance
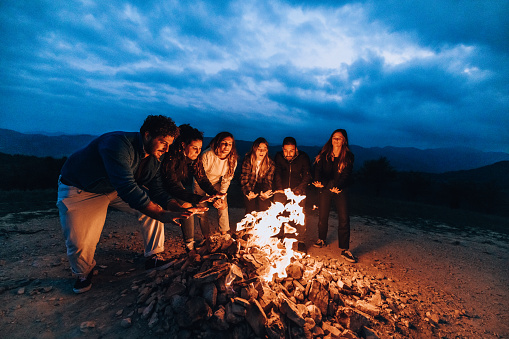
{"x":218,"y":292}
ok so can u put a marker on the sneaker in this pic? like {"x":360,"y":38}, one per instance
{"x":319,"y":243}
{"x":200,"y":243}
{"x":348,"y":256}
{"x":189,"y":246}
{"x":83,"y":284}
{"x":157,"y":262}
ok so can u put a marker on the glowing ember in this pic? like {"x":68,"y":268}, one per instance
{"x":271,"y":231}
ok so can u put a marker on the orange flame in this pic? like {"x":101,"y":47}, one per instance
{"x":264,"y":227}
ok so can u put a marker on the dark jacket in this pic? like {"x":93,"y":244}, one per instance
{"x":294,"y":174}
{"x":109,"y":164}
{"x":326,"y":172}
{"x":178,"y":168}
{"x":248,"y":179}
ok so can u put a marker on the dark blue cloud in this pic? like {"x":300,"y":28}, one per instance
{"x":404,"y":74}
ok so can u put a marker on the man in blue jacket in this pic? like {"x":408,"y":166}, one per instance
{"x":117,"y":170}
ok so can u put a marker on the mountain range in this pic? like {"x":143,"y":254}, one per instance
{"x":437,"y":160}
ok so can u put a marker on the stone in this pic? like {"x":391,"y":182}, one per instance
{"x":178,"y":302}
{"x":148,"y":310}
{"x":319,"y":296}
{"x":174,"y":289}
{"x":218,"y":320}
{"x":153,"y":320}
{"x":231,"y":317}
{"x":249,"y":292}
{"x":241,"y":301}
{"x":314,"y":313}
{"x":238,"y":309}
{"x":291,"y":311}
{"x":236,"y":271}
{"x":212,"y":274}
{"x":352,"y":319}
{"x":329,"y":329}
{"x":368,"y":308}
{"x":275,"y":328}
{"x":266,"y":298}
{"x":87,"y":326}
{"x":256,"y":318}
{"x":368,"y":333}
{"x":195,"y":309}
{"x":310,"y":324}
{"x":348,"y":334}
{"x":209,"y":293}
{"x":295,"y":270}
{"x":126,"y":323}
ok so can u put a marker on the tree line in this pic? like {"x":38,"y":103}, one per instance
{"x":376,"y":178}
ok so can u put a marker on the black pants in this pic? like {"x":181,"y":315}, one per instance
{"x":341,"y":202}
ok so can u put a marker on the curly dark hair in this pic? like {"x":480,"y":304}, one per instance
{"x":175,"y":165}
{"x":159,"y":125}
{"x":188,"y":134}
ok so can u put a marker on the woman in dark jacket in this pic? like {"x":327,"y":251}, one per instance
{"x":178,"y":168}
{"x":333,"y":175}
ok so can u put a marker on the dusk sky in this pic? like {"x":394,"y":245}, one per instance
{"x":423,"y":73}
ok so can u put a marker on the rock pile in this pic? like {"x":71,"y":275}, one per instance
{"x":217,"y":293}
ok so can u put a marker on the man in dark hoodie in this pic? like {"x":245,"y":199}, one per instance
{"x":293,"y":171}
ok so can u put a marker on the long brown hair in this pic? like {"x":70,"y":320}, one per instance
{"x":326,"y":152}
{"x":232,"y":156}
{"x":251,"y":155}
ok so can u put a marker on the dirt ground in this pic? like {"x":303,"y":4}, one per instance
{"x":461,"y":275}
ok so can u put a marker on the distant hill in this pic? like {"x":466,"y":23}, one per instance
{"x":497,"y":173}
{"x":438,"y":160}
{"x":40,"y":145}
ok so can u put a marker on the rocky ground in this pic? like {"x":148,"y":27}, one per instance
{"x":454,"y":282}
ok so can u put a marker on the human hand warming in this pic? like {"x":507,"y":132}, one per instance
{"x":266,"y":195}
{"x":220,"y":204}
{"x":317,"y":184}
{"x":198,"y":210}
{"x":335,"y":190}
{"x":174,"y":206}
{"x":251,"y":195}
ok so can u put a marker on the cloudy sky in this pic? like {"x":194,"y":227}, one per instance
{"x":423,"y":73}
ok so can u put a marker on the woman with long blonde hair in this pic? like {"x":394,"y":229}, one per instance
{"x":256,"y":177}
{"x":218,"y":162}
{"x":333,"y":175}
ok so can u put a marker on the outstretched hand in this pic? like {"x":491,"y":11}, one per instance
{"x":220,"y":204}
{"x":266,"y":195}
{"x":317,"y":184}
{"x":335,"y":190}
{"x":212,"y":198}
{"x":251,"y":195}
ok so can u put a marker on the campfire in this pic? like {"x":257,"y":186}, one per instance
{"x":252,"y":284}
{"x":270,"y":235}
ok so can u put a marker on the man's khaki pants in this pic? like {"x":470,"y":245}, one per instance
{"x":82,"y":217}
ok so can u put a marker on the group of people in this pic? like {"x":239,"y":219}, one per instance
{"x":161,"y":175}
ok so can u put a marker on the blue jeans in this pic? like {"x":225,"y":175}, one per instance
{"x":224,"y":220}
